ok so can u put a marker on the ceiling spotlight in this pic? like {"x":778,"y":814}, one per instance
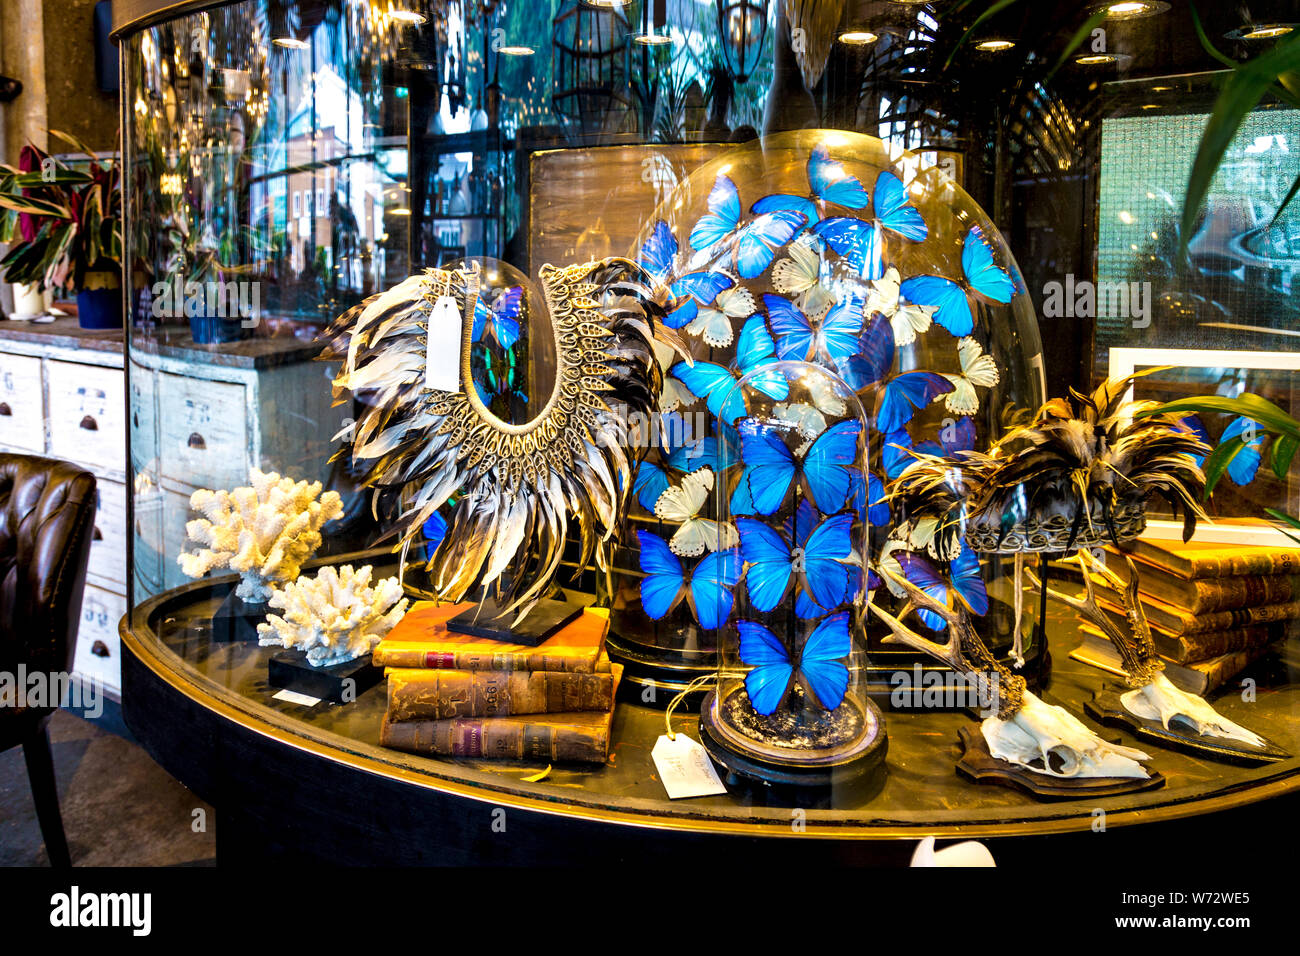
{"x":1260,"y":31}
{"x":994,"y":46}
{"x":1103,"y":59}
{"x":407,"y":16}
{"x":290,"y":43}
{"x":516,"y":51}
{"x":858,"y":37}
{"x":652,"y":39}
{"x":1131,"y":9}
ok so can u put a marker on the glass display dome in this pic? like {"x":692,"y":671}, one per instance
{"x":871,"y":264}
{"x":784,"y":582}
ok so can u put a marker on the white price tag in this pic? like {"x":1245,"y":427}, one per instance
{"x":293,"y":697}
{"x":685,"y":768}
{"x":442,"y":354}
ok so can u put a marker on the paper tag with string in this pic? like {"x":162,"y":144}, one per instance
{"x":442,"y":350}
{"x":685,"y":768}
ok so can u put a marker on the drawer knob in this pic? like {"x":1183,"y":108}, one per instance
{"x":100,"y":649}
{"x":5,"y":409}
{"x":196,"y":441}
{"x":89,"y":424}
{"x":97,"y":535}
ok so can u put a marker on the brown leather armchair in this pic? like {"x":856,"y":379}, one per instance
{"x":47,"y":517}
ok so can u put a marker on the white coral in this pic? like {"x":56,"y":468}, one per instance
{"x":335,"y":616}
{"x":265,"y":531}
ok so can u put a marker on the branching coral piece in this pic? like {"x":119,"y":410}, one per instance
{"x":335,"y":616}
{"x":265,"y":531}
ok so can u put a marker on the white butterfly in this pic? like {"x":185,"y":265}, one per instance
{"x":828,"y":397}
{"x":675,"y":395}
{"x":714,"y":325}
{"x":977,"y":369}
{"x":808,"y":420}
{"x":800,"y":277}
{"x":683,"y":503}
{"x":907,"y":320}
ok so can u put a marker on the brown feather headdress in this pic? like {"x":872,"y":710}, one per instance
{"x":516,"y":485}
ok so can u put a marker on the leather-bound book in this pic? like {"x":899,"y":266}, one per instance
{"x":432,"y":694}
{"x":1210,"y":594}
{"x":1207,"y":560}
{"x":1202,"y":677}
{"x":1178,"y":621}
{"x":421,"y":639}
{"x":582,"y":737}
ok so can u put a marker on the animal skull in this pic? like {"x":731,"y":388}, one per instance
{"x":1039,"y":731}
{"x":1161,"y":700}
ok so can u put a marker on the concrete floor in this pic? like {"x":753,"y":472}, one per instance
{"x":119,"y":807}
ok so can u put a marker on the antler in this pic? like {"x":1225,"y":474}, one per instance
{"x":949,"y":652}
{"x":961,"y":639}
{"x":1138,"y":655}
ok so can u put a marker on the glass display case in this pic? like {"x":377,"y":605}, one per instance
{"x":458,"y":289}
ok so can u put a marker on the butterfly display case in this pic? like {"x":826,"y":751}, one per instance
{"x":785,"y":586}
{"x":833,"y":248}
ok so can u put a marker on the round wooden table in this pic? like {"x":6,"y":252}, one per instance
{"x":289,"y":780}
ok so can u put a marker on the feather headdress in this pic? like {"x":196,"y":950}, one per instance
{"x":516,"y":485}
{"x":1081,"y":472}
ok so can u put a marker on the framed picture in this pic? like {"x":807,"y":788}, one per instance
{"x":1237,"y":506}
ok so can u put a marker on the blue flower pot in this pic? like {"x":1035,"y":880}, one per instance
{"x":99,"y":308}
{"x":216,"y":330}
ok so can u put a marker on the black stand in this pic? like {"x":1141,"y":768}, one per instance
{"x":237,"y":620}
{"x":339,"y":683}
{"x":1106,"y":708}
{"x":856,"y":766}
{"x":543,"y":621}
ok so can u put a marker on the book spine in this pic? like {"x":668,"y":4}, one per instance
{"x":501,"y":739}
{"x":1228,"y":594}
{"x":444,"y":694}
{"x":1196,"y":647}
{"x":1224,"y":668}
{"x":1245,"y":562}
{"x":1179,"y":621}
{"x":479,"y":661}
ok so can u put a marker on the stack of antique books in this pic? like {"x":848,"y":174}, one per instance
{"x":462,"y":696}
{"x":1213,"y":608}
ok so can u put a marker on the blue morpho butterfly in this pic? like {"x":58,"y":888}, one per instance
{"x":755,"y":243}
{"x":821,"y":664}
{"x":836,"y":335}
{"x":664,"y":584}
{"x":829,"y":183}
{"x":435,"y":529}
{"x":901,"y":397}
{"x":502,"y":317}
{"x":869,"y":498}
{"x":798,"y":529}
{"x":1245,"y":464}
{"x":964,"y":580}
{"x":657,"y":257}
{"x":862,"y":242}
{"x":684,"y":454}
{"x":713,"y":383}
{"x":1194,"y":425}
{"x":817,"y":565}
{"x":771,"y":468}
{"x":952,"y":307}
{"x":896,"y":446}
{"x":754,"y":349}
{"x":873,"y":357}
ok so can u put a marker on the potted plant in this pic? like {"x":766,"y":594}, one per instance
{"x":65,"y":229}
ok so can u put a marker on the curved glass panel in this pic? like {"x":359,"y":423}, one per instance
{"x":286,"y":160}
